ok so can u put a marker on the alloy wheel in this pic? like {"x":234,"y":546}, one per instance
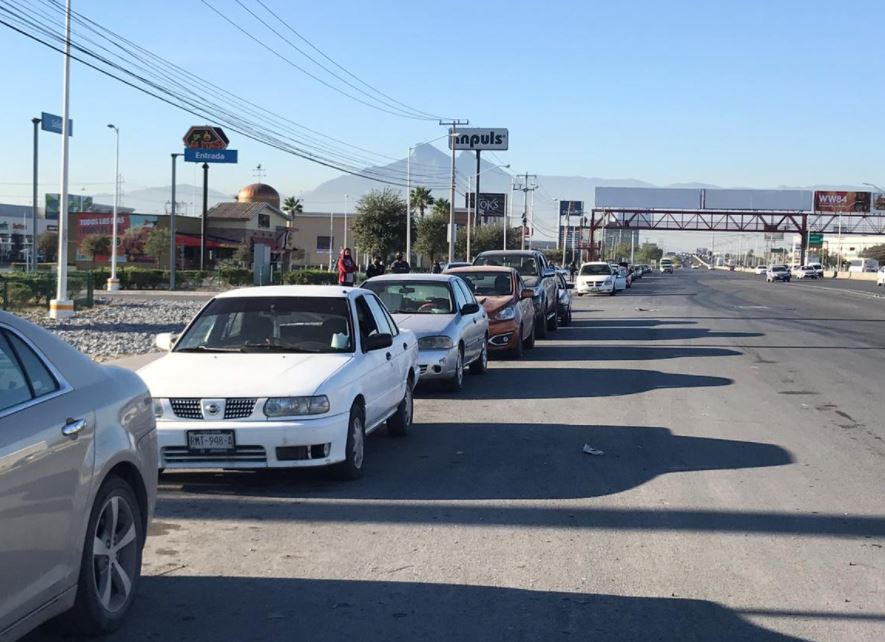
{"x":114,"y":553}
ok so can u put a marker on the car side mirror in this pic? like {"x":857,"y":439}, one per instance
{"x":528,"y":293}
{"x":379,"y":341}
{"x":549,"y":272}
{"x":569,"y":286}
{"x":469,"y":308}
{"x":165,"y":341}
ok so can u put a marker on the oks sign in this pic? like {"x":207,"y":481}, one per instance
{"x":489,"y":204}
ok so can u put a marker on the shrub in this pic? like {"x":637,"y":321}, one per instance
{"x":313,"y":277}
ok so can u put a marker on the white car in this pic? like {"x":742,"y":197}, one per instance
{"x":804,"y":272}
{"x":451,"y":327}
{"x":761,"y":270}
{"x":619,"y":275}
{"x":282,"y":376}
{"x":595,"y":277}
{"x":880,"y":280}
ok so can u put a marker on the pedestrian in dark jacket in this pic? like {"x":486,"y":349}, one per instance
{"x":399,"y":266}
{"x":346,"y":268}
{"x":376,"y":268}
{"x":436,"y":268}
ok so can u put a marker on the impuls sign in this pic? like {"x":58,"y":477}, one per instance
{"x":477,"y":138}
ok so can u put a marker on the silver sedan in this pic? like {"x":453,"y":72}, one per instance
{"x":78,"y":482}
{"x":452,"y":328}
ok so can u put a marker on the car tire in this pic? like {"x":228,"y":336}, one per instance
{"x":355,"y":447}
{"x":398,"y":423}
{"x":529,"y":341}
{"x":518,"y":348}
{"x":614,"y":291}
{"x":553,"y":321}
{"x":115,"y":517}
{"x":567,"y":317}
{"x":456,"y":383}
{"x":481,"y":364}
{"x":540,"y":327}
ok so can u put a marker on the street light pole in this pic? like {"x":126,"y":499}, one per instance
{"x":453,"y":133}
{"x":345,"y":220}
{"x":33,"y":256}
{"x":409,"y":207}
{"x":61,"y":307}
{"x":173,"y":249}
{"x":113,"y":281}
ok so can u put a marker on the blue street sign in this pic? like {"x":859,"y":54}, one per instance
{"x":52,"y":123}
{"x":210,"y":155}
{"x":571,"y":208}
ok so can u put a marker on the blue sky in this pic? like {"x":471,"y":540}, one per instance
{"x":749,"y":93}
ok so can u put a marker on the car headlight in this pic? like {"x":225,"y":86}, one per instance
{"x":506,"y":314}
{"x":435,"y":343}
{"x":296,"y":406}
{"x":608,"y":281}
{"x":158,"y":408}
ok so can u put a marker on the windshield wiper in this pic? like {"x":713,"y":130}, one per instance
{"x":275,"y":347}
{"x":207,"y":349}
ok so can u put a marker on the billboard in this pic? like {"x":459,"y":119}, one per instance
{"x":490,"y":204}
{"x":133,"y":231}
{"x":879,"y":202}
{"x":76,"y":203}
{"x":571,"y":208}
{"x":832,"y":201}
{"x":473,"y":138}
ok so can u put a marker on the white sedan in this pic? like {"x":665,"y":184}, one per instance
{"x":282,"y":376}
{"x":760,"y":270}
{"x":880,"y":279}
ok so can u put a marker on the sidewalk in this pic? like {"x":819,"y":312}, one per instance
{"x":135,"y":361}
{"x":157,"y":294}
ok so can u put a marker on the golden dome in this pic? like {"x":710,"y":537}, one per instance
{"x":259,"y":193}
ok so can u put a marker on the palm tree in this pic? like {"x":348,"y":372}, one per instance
{"x":292,"y":206}
{"x":420,"y":199}
{"x":441,"y":206}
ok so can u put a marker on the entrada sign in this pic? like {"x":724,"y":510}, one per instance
{"x":476,"y":138}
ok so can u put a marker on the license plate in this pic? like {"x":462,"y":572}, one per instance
{"x":211,"y":440}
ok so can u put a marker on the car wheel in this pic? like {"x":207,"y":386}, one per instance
{"x":529,"y":341}
{"x":456,"y":383}
{"x":553,"y":321}
{"x":399,"y":422}
{"x":111,"y":563}
{"x":518,"y":348}
{"x":355,"y":448}
{"x":614,"y":291}
{"x":567,"y":319}
{"x":540,"y":327}
{"x":482,"y":362}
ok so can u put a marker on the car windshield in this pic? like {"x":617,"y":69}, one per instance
{"x":595,"y":270}
{"x":414,"y":297}
{"x":270,"y":324}
{"x":779,"y":268}
{"x":524,"y":264}
{"x":489,"y":283}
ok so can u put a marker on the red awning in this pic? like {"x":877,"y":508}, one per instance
{"x":186,"y":240}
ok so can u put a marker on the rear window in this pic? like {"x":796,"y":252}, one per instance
{"x":595,"y":270}
{"x":489,"y":283}
{"x":524,"y":264}
{"x":413,"y":297}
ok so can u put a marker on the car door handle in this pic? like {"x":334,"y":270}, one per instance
{"x":73,"y":427}
{"x":389,"y":357}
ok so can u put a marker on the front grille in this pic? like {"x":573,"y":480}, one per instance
{"x":187,"y":408}
{"x":239,"y":408}
{"x":245,"y":454}
{"x":422,"y":369}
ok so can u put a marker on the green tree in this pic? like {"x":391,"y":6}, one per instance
{"x":47,"y":245}
{"x":95,"y":245}
{"x":420,"y":199}
{"x":441,"y":205}
{"x":432,"y":234}
{"x":243,"y":254}
{"x":875,"y":252}
{"x":379,"y":226}
{"x":292,"y":206}
{"x":648,"y":253}
{"x":487,"y":237}
{"x":157,"y":245}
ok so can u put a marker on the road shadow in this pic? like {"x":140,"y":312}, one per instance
{"x":627,"y":334}
{"x":546,"y":352}
{"x":212,"y":609}
{"x":450,"y":461}
{"x":572,"y":383}
{"x":626,"y":323}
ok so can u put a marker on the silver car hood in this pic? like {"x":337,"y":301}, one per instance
{"x":425,"y":325}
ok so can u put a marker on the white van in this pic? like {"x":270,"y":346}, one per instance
{"x":863,"y":265}
{"x":666,"y":265}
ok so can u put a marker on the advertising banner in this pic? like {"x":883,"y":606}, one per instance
{"x":490,"y":204}
{"x":879,"y":203}
{"x":473,"y":138}
{"x":571,"y":208}
{"x":133,"y":231}
{"x":76,"y":203}
{"x":831,"y":201}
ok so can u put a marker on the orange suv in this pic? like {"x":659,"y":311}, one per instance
{"x":507,"y":301}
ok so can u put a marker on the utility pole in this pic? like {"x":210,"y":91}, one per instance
{"x":525,"y":188}
{"x":453,"y":133}
{"x":113,"y":281}
{"x":509,"y":210}
{"x":409,"y":207}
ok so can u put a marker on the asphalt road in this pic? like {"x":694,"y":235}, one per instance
{"x":739,"y":496}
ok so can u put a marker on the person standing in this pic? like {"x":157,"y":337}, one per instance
{"x":346,"y":268}
{"x":400,"y":266}
{"x":376,"y":268}
{"x":436,"y":268}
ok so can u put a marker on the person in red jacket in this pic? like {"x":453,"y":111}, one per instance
{"x":346,"y":268}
